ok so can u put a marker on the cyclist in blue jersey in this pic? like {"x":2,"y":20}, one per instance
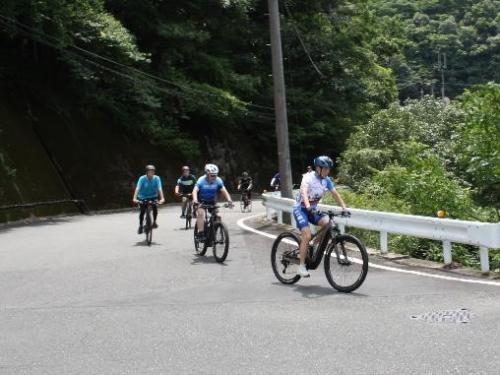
{"x":205,"y":191}
{"x":314,"y":185}
{"x":148,"y":188}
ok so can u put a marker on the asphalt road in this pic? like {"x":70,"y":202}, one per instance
{"x":84,"y":295}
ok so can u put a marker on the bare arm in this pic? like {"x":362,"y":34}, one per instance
{"x":176,"y":191}
{"x":162,"y":197}
{"x":226,"y":194}
{"x":305,"y":198}
{"x":338,"y":199}
{"x":134,"y":198}
{"x":195,"y":194}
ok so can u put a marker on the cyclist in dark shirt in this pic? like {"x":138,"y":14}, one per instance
{"x":184,"y":187}
{"x":275,"y":181}
{"x":245,"y":185}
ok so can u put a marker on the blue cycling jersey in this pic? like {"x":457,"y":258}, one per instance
{"x":148,"y":188}
{"x":207,"y":191}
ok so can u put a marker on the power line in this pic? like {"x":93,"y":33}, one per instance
{"x":299,"y":37}
{"x":109,"y":60}
{"x":151,"y":84}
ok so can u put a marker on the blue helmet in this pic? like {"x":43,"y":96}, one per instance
{"x":323,"y":162}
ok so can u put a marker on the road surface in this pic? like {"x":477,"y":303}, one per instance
{"x":84,"y":295}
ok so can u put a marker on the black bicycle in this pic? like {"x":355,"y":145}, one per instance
{"x":216,"y":234}
{"x":189,"y":210}
{"x":345,"y":257}
{"x":148,"y":220}
{"x":245,"y":201}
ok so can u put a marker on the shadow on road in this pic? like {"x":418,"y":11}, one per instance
{"x":318,"y":291}
{"x":36,"y":223}
{"x":197,"y":259}
{"x":144,"y":244}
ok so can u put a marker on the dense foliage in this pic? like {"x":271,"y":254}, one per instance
{"x":426,"y":156}
{"x":414,"y":31}
{"x":194,"y":75}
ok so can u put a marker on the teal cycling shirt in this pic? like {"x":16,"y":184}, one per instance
{"x":208,"y":191}
{"x":148,"y":189}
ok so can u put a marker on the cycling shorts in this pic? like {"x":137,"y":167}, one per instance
{"x":304,"y":217}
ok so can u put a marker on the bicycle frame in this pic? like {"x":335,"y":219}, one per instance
{"x":209,"y":222}
{"x":326,"y":234}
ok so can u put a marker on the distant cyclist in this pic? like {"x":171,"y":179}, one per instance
{"x":275,"y":181}
{"x":184,"y":187}
{"x":205,"y":191}
{"x":245,"y":185}
{"x":314,"y":185}
{"x":148,"y":188}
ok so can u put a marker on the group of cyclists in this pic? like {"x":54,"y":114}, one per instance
{"x":204,"y":190}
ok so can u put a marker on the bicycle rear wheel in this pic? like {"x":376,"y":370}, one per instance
{"x":242,"y":203}
{"x":346,"y":263}
{"x":221,"y":242}
{"x":199,"y":247}
{"x":285,"y":257}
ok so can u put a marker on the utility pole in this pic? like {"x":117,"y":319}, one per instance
{"x":441,"y":66}
{"x":280,"y":101}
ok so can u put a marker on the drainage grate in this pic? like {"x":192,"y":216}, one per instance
{"x":445,"y":316}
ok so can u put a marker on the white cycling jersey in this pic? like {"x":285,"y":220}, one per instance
{"x":316,"y":187}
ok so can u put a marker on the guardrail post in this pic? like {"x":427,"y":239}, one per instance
{"x":447,"y":252}
{"x":485,"y":262}
{"x":383,"y":243}
{"x":269,"y":213}
{"x":279,"y":215}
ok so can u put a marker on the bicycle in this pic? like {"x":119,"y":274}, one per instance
{"x":216,"y":234}
{"x":245,"y":201}
{"x":342,"y":254}
{"x":189,"y":210}
{"x":148,"y":220}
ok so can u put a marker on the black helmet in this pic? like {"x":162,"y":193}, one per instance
{"x":323,"y":162}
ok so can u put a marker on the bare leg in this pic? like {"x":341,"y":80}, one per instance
{"x":200,"y":219}
{"x":305,"y":238}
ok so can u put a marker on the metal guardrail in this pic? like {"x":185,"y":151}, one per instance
{"x":80,"y":204}
{"x":484,"y":235}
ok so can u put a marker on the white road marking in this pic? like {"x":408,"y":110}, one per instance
{"x":242,"y":225}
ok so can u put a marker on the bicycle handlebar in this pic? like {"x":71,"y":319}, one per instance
{"x":331,"y":213}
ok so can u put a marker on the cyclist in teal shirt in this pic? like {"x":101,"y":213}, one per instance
{"x":148,"y":188}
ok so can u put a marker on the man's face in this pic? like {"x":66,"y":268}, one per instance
{"x":309,"y":169}
{"x":150,"y":173}
{"x":212,"y":177}
{"x":185,"y":171}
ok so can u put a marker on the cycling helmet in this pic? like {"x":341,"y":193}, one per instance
{"x":323,"y":162}
{"x":150,"y":167}
{"x":211,"y":169}
{"x":245,"y":174}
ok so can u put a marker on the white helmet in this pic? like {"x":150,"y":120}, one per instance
{"x":211,"y":169}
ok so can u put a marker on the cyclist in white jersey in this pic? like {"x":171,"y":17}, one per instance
{"x":314,"y":185}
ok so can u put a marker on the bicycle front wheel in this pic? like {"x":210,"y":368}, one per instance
{"x":199,"y":247}
{"x":346,"y":263}
{"x":285,"y":258}
{"x":149,"y":226}
{"x":221,"y":242}
{"x":189,"y":215}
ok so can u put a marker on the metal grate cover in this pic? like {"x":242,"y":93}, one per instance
{"x":445,"y":316}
